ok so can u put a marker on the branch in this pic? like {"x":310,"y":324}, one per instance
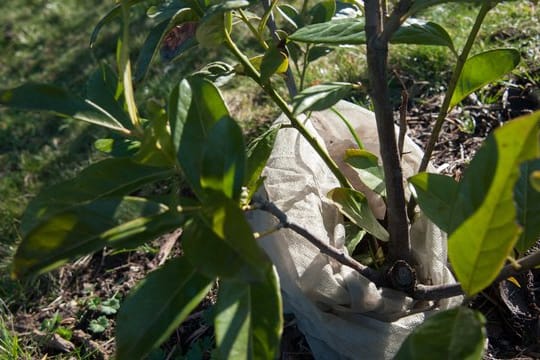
{"x":377,"y":54}
{"x":437,"y":292}
{"x":336,"y":254}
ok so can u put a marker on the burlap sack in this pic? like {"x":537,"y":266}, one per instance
{"x":342,"y":314}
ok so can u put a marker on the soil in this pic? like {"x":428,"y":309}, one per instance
{"x":511,"y":307}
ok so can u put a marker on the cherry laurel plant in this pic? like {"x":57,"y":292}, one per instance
{"x":491,"y":215}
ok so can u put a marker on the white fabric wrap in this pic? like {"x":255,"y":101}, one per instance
{"x":342,"y":314}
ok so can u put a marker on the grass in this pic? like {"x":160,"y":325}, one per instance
{"x":48,"y":43}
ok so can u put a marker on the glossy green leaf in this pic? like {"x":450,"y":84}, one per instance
{"x":436,"y":194}
{"x":290,"y":14}
{"x":149,"y":49}
{"x":224,"y":159}
{"x":189,"y":131}
{"x":157,"y":306}
{"x":117,"y":146}
{"x":274,"y":61}
{"x":157,"y":147}
{"x":211,"y":29}
{"x":354,"y":205}
{"x":320,"y":97}
{"x":258,"y":153}
{"x":110,"y":16}
{"x":228,"y":222}
{"x":102,"y":90}
{"x":322,"y":11}
{"x":222,"y":261}
{"x":481,"y":243}
{"x":317,"y":52}
{"x":456,"y":334}
{"x":534,"y":179}
{"x":248,"y":319}
{"x":76,"y":231}
{"x":483,"y":68}
{"x":420,"y":32}
{"x":41,"y":97}
{"x":109,"y":177}
{"x":337,"y":32}
{"x":528,"y":206}
{"x":368,"y":168}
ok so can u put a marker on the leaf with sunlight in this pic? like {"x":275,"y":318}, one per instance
{"x":484,"y":212}
{"x":248,"y":319}
{"x":354,"y":205}
{"x":483,"y":68}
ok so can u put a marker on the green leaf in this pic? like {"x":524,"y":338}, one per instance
{"x":98,"y":325}
{"x":110,"y":16}
{"x":291,"y":15}
{"x":479,"y":246}
{"x":102,"y":90}
{"x":41,"y":97}
{"x":534,"y":179}
{"x":181,"y":21}
{"x":436,"y":195}
{"x":110,"y":306}
{"x":420,"y":32}
{"x":206,"y":108}
{"x":222,"y":261}
{"x":150,"y":48}
{"x":367,"y":166}
{"x":211,"y":29}
{"x":80,"y":230}
{"x":118,"y":146}
{"x":320,"y":97}
{"x":354,"y":205}
{"x":322,"y":11}
{"x":109,"y":177}
{"x":258,"y":153}
{"x":248,"y":319}
{"x":157,"y":146}
{"x":527,"y":206}
{"x":456,"y":334}
{"x":224,"y":159}
{"x":337,"y":32}
{"x":317,"y":52}
{"x":274,"y":61}
{"x":228,"y":222}
{"x":483,"y":68}
{"x":157,"y":306}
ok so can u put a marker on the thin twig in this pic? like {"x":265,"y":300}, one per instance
{"x":336,"y":254}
